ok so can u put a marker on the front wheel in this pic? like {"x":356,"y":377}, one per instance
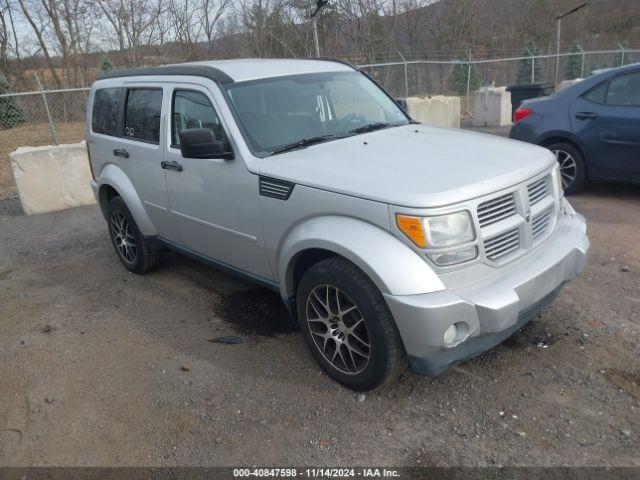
{"x":572,"y":168}
{"x":347,"y":325}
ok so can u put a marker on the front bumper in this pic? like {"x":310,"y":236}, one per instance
{"x":489,"y":310}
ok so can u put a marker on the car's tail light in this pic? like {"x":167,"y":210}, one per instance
{"x":521,"y":113}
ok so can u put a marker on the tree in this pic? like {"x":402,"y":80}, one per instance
{"x":459,"y":76}
{"x":10,"y":113}
{"x":39,"y":26}
{"x":524,"y":66}
{"x":106,"y":64}
{"x":573,"y":67}
{"x":211,"y":12}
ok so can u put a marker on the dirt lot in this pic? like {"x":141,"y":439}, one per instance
{"x":102,"y":367}
{"x":33,"y":136}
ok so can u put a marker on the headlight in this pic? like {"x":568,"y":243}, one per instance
{"x":441,"y":232}
{"x":448,"y":230}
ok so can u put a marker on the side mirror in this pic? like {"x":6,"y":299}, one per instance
{"x":202,"y":143}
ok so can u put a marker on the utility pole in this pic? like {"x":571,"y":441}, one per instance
{"x":559,"y":28}
{"x":316,"y":41}
{"x":320,"y":4}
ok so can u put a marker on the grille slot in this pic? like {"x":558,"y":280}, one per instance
{"x":496,"y":209}
{"x":274,"y":188}
{"x":502,"y":245}
{"x":540,"y":223}
{"x":538,"y":190}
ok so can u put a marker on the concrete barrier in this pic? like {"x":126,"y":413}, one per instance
{"x":492,"y":107}
{"x":52,"y":178}
{"x":438,"y":110}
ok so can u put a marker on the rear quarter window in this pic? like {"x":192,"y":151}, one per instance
{"x":597,"y":94}
{"x":104,"y":117}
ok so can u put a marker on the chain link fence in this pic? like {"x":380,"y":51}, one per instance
{"x":408,"y":78}
{"x":51,"y":111}
{"x":57,"y":116}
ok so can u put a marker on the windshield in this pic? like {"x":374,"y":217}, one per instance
{"x":304,"y":109}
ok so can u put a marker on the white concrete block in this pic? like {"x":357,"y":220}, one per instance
{"x":567,"y":83}
{"x":492,"y":107}
{"x":52,"y":178}
{"x":438,"y":110}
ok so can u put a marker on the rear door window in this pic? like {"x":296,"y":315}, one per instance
{"x":106,"y":106}
{"x":142,"y":114}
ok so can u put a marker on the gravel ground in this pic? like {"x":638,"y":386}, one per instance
{"x":102,"y":367}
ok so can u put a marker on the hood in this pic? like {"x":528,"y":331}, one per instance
{"x":412,"y":166}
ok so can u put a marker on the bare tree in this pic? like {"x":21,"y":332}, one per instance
{"x":186,"y":27}
{"x":38,"y":25}
{"x":211,"y":12}
{"x":135,"y":23}
{"x":4,"y":37}
{"x":114,"y":12}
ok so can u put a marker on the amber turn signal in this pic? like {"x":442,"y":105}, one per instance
{"x":412,"y":228}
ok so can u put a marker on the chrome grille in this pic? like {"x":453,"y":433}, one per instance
{"x":538,"y":190}
{"x":540,"y":223}
{"x":496,"y":209}
{"x":502,"y":245}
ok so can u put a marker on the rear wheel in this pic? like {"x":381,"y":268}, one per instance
{"x":347,"y":325}
{"x":131,"y":247}
{"x":572,"y":168}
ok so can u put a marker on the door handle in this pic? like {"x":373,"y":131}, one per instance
{"x":173,"y":165}
{"x":587,"y":115}
{"x":120,"y":152}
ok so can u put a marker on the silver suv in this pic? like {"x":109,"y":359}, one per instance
{"x":388,"y":240}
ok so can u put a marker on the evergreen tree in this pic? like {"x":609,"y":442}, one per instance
{"x":10,"y":112}
{"x":524,"y":66}
{"x":573,"y":67}
{"x":458,"y":79}
{"x":106,"y":65}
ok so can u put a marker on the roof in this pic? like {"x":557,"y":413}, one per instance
{"x":229,"y":71}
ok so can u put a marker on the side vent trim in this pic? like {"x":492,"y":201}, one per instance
{"x":274,"y":188}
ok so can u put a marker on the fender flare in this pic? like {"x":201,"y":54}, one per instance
{"x":114,"y":177}
{"x":393,"y":266}
{"x":565,"y":135}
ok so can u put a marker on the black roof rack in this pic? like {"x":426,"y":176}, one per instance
{"x":334,"y":60}
{"x":206,"y":71}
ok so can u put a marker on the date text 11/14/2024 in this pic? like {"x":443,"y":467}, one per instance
{"x":316,"y":472}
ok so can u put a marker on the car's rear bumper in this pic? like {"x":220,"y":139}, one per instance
{"x":490,"y":310}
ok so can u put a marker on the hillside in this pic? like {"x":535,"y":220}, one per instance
{"x":499,"y":28}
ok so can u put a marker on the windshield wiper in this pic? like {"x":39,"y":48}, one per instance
{"x":369,"y":128}
{"x":305,"y":142}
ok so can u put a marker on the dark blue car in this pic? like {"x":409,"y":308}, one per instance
{"x":593,"y":127}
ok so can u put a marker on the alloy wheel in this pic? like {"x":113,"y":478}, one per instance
{"x":338,"y":329}
{"x":123,"y":238}
{"x":568,"y":167}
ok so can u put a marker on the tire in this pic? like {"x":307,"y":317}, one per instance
{"x":130,"y":246}
{"x":571,"y":165}
{"x":370,"y":350}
